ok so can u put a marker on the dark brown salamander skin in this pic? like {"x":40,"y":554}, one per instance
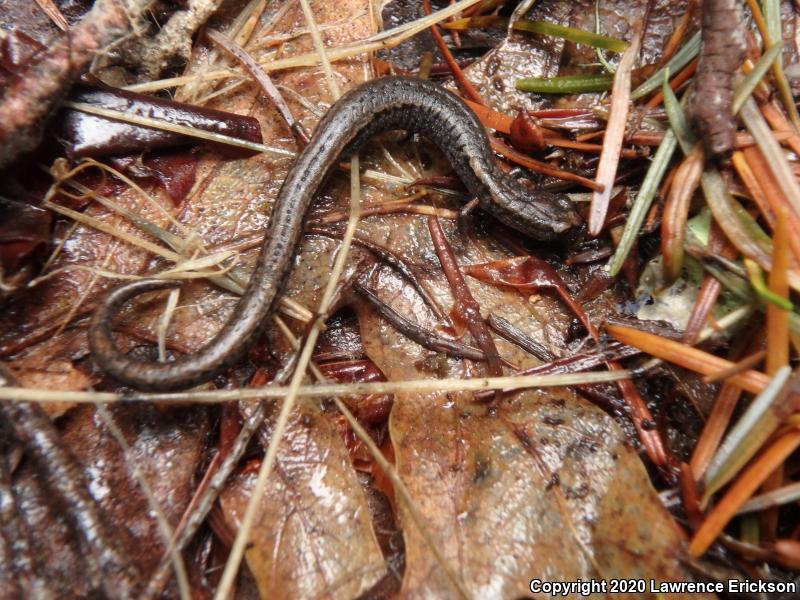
{"x":721,"y":55}
{"x":374,"y":107}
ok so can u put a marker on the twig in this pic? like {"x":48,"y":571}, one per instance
{"x":465,"y":304}
{"x":418,"y":334}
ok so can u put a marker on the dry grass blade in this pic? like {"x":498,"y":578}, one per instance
{"x":321,"y":51}
{"x":380,"y":41}
{"x":240,"y":31}
{"x":163,"y":323}
{"x":774,"y":498}
{"x":111,"y":230}
{"x":614,"y":136}
{"x":420,"y":386}
{"x":189,"y":244}
{"x":178,"y":273}
{"x":260,"y":76}
{"x":52,"y":11}
{"x":68,"y":178}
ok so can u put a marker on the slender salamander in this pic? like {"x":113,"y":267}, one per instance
{"x":384,"y":104}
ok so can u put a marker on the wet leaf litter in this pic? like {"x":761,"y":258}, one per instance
{"x":448,"y":493}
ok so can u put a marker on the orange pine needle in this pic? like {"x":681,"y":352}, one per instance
{"x":750,"y":181}
{"x":463,"y":82}
{"x":772,"y":192}
{"x":777,"y":317}
{"x":703,"y":305}
{"x":593,"y":148}
{"x":691,"y":500}
{"x":715,"y":428}
{"x":686,"y":356}
{"x":676,"y":211}
{"x":741,"y":491}
{"x":758,"y":17}
{"x":781,"y":126}
{"x":491,"y":118}
{"x":709,"y":289}
{"x":502,"y":123}
{"x":676,"y":82}
{"x":679,"y":32}
{"x":777,"y":341}
{"x":541,"y":167}
{"x":742,"y":365}
{"x":640,"y":414}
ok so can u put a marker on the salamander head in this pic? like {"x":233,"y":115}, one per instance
{"x":543,"y":215}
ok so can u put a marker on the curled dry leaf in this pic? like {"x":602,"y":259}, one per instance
{"x":529,"y":274}
{"x":676,"y":212}
{"x":96,"y":136}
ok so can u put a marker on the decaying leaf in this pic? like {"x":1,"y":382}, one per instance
{"x":536,"y":484}
{"x":544,"y":486}
{"x":314,"y":536}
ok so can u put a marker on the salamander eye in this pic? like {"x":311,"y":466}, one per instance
{"x":555,"y":211}
{"x":568,"y":212}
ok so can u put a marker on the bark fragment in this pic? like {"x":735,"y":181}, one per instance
{"x":174,"y":40}
{"x":721,"y":55}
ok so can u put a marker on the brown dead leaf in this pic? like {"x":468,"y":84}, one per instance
{"x":548,"y":487}
{"x":159,"y":443}
{"x":314,"y":536}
